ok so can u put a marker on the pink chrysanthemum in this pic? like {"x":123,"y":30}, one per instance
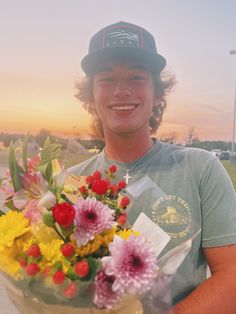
{"x":133,"y":263}
{"x":105,"y":296}
{"x":91,"y":217}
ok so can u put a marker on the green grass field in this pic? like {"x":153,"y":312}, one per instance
{"x":231,"y":169}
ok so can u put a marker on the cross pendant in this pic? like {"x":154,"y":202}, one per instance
{"x":127,"y":177}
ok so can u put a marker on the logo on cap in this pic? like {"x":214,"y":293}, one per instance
{"x":123,"y":37}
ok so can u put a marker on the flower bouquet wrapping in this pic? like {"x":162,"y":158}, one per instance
{"x":67,"y":248}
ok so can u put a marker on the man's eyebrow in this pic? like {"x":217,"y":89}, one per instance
{"x":104,"y":69}
{"x":138,"y":67}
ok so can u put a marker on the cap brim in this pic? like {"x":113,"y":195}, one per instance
{"x":91,"y":61}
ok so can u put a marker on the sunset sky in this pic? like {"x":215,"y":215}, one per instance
{"x":42,"y":43}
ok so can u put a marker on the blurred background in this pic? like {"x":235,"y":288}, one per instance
{"x":43,"y":42}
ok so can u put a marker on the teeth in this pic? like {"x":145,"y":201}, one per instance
{"x":123,"y":107}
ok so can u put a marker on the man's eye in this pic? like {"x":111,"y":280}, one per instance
{"x":138,"y":78}
{"x":106,"y":80}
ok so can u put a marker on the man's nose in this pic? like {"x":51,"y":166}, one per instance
{"x":122,"y":89}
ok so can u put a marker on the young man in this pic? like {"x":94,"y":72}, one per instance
{"x":125,"y":93}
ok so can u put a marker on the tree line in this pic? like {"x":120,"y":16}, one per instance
{"x":191,"y":140}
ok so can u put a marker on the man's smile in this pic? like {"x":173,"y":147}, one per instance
{"x":123,"y":107}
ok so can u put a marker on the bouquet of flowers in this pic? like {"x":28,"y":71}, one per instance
{"x":67,"y":244}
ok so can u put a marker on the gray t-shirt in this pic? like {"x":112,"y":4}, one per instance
{"x":191,"y":192}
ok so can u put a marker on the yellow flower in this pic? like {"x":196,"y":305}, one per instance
{"x":91,"y":247}
{"x":9,"y":261}
{"x":44,"y":234}
{"x":51,"y":250}
{"x":108,"y":236}
{"x":99,"y":240}
{"x":12,"y":226}
{"x":23,"y":243}
{"x":126,"y":233}
{"x":52,"y":253}
{"x":9,"y":264}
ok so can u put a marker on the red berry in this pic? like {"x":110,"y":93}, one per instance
{"x":112,"y":169}
{"x":59,"y":277}
{"x":121,"y":219}
{"x":89,"y":180}
{"x":100,"y":187}
{"x":83,"y":189}
{"x":114,"y":189}
{"x":67,"y":249}
{"x":124,"y":202}
{"x":97,"y":175}
{"x":32,"y":269}
{"x":121,"y":185}
{"x":70,"y":291}
{"x":82,"y":268}
{"x":23,"y":262}
{"x":34,"y":251}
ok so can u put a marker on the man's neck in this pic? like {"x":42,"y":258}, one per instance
{"x":127,"y":148}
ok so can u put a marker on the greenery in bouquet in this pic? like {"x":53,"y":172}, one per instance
{"x":70,"y":239}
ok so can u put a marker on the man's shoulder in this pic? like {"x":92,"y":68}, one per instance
{"x":86,"y":167}
{"x":190,"y":153}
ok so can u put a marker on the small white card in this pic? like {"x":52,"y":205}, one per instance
{"x":157,"y":236}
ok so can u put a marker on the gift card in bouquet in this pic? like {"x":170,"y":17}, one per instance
{"x":157,"y":236}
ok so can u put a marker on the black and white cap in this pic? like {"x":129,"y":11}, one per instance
{"x":122,"y":40}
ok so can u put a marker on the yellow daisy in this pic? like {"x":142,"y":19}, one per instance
{"x":9,"y":264}
{"x":51,"y":250}
{"x":100,"y":239}
{"x":126,"y":233}
{"x":44,"y":234}
{"x":12,"y":226}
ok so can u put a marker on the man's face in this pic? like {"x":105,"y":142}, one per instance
{"x":123,"y":96}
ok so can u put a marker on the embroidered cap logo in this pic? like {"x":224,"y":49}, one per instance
{"x":125,"y":37}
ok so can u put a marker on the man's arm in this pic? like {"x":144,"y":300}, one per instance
{"x":218,"y":293}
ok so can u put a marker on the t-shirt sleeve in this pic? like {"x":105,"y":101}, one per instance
{"x":218,"y":204}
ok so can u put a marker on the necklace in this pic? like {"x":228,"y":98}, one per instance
{"x":126,"y":170}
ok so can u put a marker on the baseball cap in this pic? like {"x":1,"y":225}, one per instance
{"x":122,"y":40}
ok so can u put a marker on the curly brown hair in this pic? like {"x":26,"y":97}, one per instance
{"x":163,"y":84}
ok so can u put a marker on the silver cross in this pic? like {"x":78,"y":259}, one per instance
{"x":127,"y":177}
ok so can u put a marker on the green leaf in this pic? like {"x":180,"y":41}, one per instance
{"x":25,"y":152}
{"x":58,"y":266}
{"x":15,"y":169}
{"x":48,"y":173}
{"x":46,"y":169}
{"x":50,"y":151}
{"x":2,"y":213}
{"x":72,"y":274}
{"x":46,"y":142}
{"x":65,"y":198}
{"x":11,"y":205}
{"x":48,"y":219}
